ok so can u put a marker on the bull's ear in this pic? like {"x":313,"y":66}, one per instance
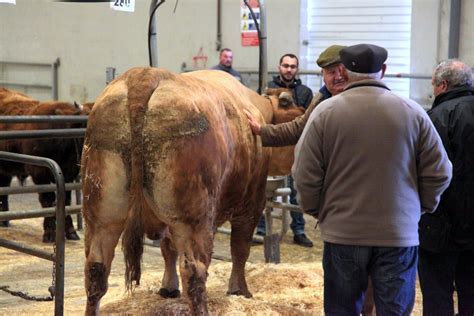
{"x":285,"y":99}
{"x":78,"y":106}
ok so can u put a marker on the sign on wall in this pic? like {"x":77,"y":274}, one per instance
{"x":248,"y":29}
{"x":123,"y":5}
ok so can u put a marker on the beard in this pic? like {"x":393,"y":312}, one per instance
{"x":287,"y":77}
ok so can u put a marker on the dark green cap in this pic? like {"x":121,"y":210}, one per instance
{"x":330,"y":56}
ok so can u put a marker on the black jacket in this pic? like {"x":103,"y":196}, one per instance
{"x":302,"y":95}
{"x":453,"y":116}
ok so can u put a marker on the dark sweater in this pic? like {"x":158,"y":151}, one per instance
{"x":302,"y":95}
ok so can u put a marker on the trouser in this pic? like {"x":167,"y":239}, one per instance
{"x":440,"y":274}
{"x":346,"y":272}
{"x":297,"y":219}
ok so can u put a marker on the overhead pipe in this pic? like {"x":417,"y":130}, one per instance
{"x":263,"y":46}
{"x":454,"y":28}
{"x":219,"y":25}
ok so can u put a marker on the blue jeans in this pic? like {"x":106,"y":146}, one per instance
{"x":297,"y":219}
{"x":297,"y":224}
{"x":346,"y":272}
{"x":439,"y":274}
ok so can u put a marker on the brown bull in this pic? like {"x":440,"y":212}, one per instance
{"x":66,"y":152}
{"x":173,"y":157}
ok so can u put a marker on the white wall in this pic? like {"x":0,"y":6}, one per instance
{"x":429,"y":42}
{"x":90,"y":37}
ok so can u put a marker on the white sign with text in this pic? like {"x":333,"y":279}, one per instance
{"x":123,"y":5}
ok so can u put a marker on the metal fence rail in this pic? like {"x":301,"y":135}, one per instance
{"x":58,"y":256}
{"x":12,"y":119}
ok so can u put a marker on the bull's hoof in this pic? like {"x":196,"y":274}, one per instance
{"x":245,"y":294}
{"x":92,"y":308}
{"x":169,"y":294}
{"x":4,"y":223}
{"x":72,"y":235}
{"x":49,"y":237}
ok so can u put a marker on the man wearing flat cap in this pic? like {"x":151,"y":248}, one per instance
{"x":288,"y":133}
{"x":367,"y":165}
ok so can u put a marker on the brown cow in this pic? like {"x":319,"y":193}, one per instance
{"x":173,"y":157}
{"x":66,"y":152}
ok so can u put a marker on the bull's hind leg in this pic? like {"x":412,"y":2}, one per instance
{"x":105,"y":211}
{"x":170,"y":283}
{"x":241,"y":235}
{"x":194,"y":245}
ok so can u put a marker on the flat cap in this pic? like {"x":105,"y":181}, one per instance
{"x":363,"y":58}
{"x":329,"y":56}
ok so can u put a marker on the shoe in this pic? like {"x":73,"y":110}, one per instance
{"x":71,"y":234}
{"x":302,"y":240}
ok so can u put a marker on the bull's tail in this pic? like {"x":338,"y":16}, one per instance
{"x":132,"y":243}
{"x":141,"y":83}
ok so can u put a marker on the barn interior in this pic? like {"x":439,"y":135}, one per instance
{"x":71,"y":51}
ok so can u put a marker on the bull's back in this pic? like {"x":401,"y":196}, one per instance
{"x":197,"y":145}
{"x":117,"y":115}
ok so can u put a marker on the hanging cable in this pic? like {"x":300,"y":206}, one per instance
{"x":149,"y":30}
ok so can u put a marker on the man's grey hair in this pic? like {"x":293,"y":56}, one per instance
{"x":356,"y":76}
{"x":454,"y":72}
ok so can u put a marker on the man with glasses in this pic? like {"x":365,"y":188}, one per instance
{"x":302,"y":95}
{"x":288,"y":69}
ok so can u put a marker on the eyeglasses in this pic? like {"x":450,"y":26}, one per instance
{"x":289,"y":66}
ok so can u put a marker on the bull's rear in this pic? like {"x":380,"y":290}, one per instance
{"x":171,"y":157}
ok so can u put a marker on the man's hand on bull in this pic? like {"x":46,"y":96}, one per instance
{"x":254,"y":124}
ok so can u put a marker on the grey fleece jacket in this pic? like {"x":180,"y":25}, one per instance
{"x":368,"y":164}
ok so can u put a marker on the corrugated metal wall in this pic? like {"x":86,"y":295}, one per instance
{"x":386,"y":23}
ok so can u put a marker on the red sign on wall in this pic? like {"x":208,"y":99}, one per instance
{"x":249,"y":34}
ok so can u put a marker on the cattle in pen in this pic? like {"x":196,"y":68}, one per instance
{"x":66,"y":152}
{"x":172,"y":157}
